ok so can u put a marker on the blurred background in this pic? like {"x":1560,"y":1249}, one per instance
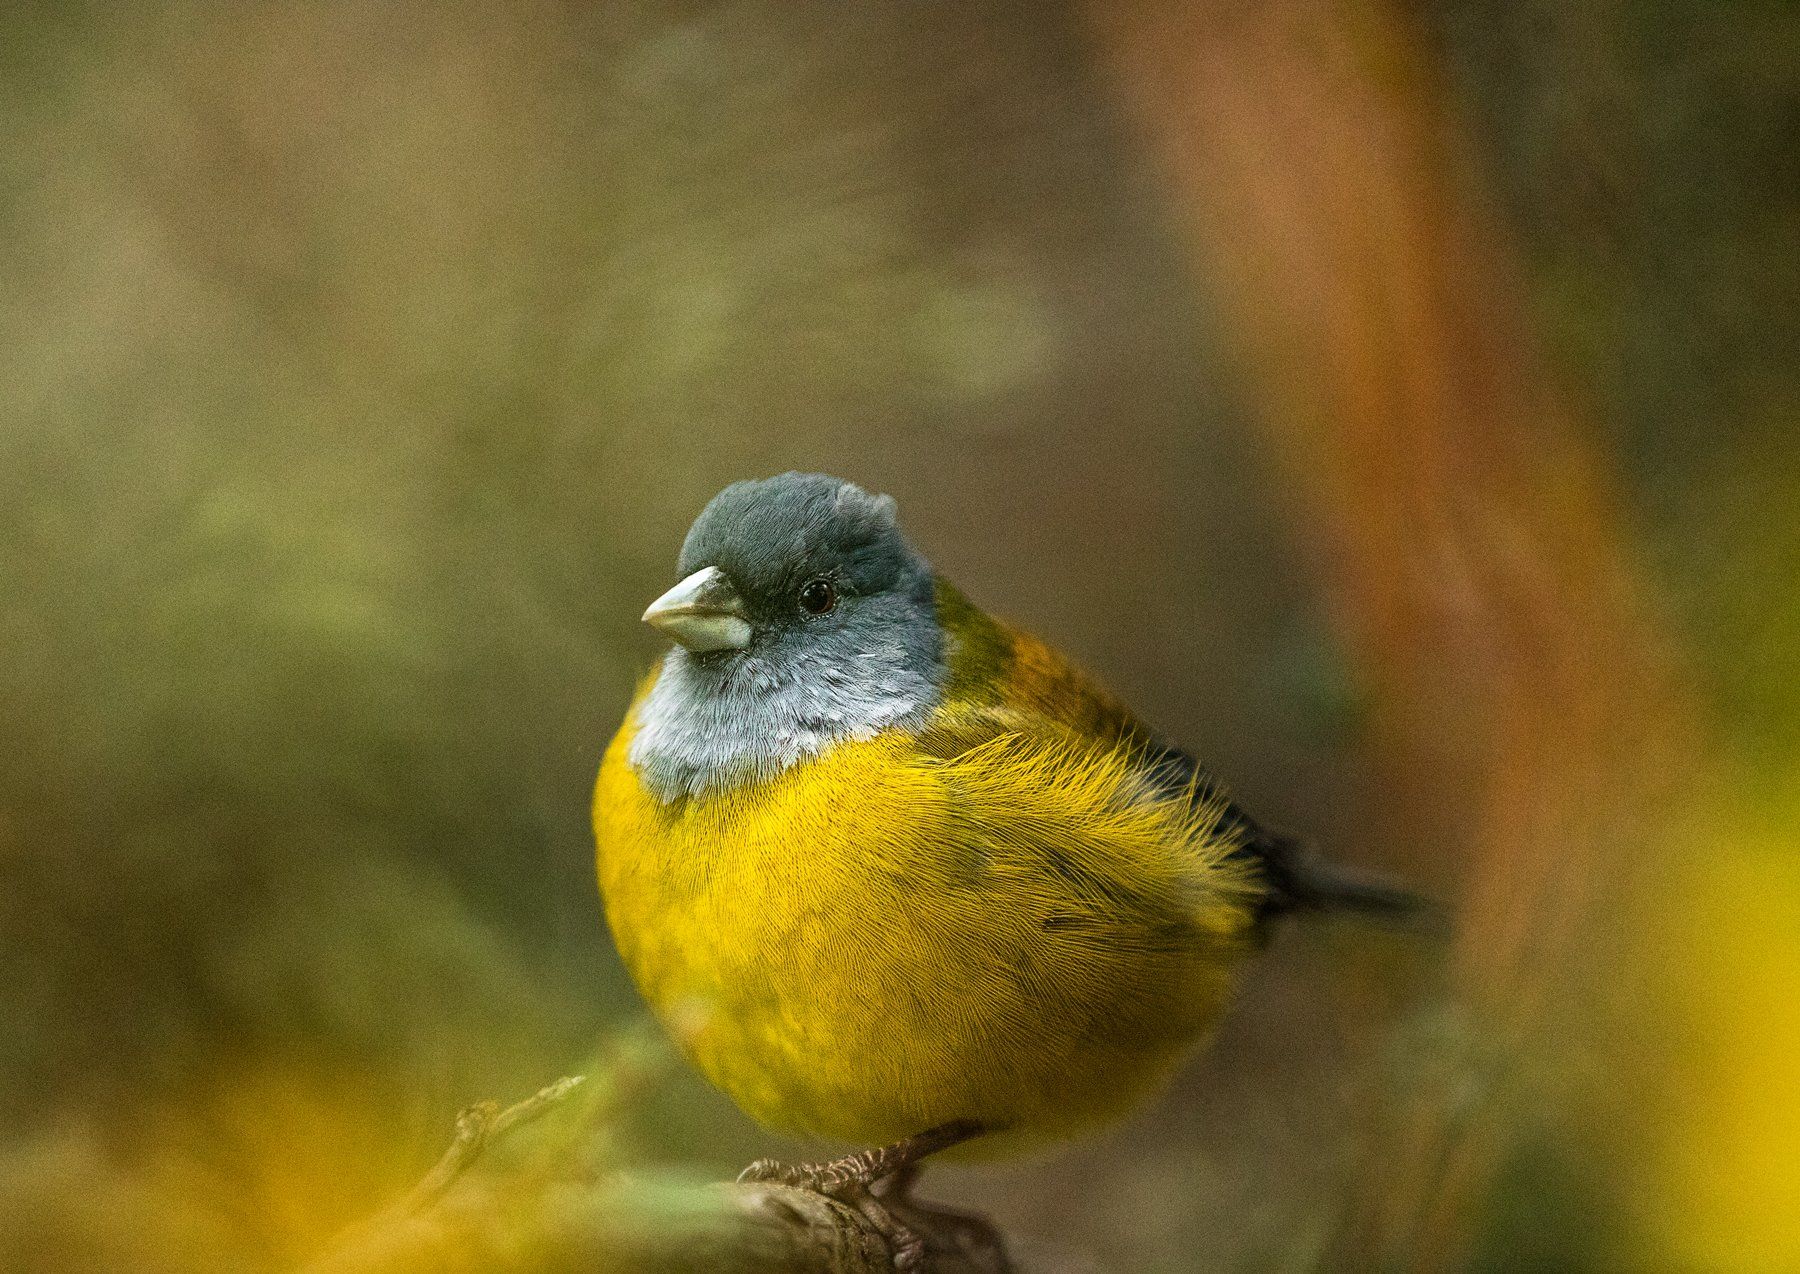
{"x":1398,"y":404}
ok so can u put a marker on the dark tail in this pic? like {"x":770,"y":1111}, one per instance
{"x":1300,"y":880}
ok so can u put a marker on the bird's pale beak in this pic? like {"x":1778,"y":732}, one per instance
{"x":703,"y":612}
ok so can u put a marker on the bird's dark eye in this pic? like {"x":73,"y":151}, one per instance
{"x":817,"y":596}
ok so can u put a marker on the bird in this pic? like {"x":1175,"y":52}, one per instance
{"x":896,"y":874}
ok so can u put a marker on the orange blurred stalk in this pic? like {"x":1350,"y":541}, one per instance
{"x":1522,"y":712}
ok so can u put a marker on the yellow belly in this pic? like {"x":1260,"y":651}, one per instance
{"x":876,"y":942}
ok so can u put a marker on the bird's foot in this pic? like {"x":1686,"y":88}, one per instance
{"x":829,"y":1178}
{"x":848,"y":1181}
{"x":853,"y":1179}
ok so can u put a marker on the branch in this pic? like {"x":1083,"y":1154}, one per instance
{"x":475,"y":1127}
{"x":550,"y":1211}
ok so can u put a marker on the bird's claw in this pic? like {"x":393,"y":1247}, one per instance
{"x":770,"y":1170}
{"x":838,"y":1179}
{"x":847,"y":1183}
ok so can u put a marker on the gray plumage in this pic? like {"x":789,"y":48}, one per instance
{"x":805,"y":681}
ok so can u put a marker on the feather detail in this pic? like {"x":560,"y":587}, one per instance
{"x":992,"y":918}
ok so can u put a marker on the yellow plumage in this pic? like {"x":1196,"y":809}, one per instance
{"x":996,"y":917}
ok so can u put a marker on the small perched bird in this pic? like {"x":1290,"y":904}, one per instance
{"x":896,"y":874}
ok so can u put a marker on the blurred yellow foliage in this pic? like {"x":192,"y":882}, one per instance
{"x":279,"y":1153}
{"x":1721,"y":1187}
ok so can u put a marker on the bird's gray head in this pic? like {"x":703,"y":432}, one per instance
{"x":802,"y":617}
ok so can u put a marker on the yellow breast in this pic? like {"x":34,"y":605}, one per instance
{"x":879,"y":939}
